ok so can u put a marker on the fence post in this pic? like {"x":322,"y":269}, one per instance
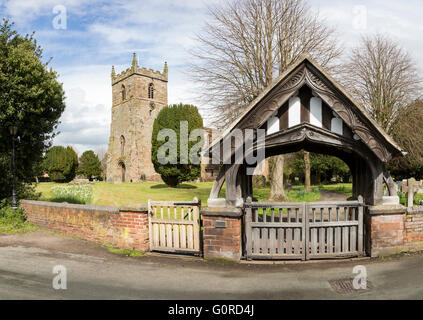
{"x":306,"y":231}
{"x":360,"y":223}
{"x":196,"y":224}
{"x":150,"y":227}
{"x":248,"y":228}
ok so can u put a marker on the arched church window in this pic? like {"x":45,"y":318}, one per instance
{"x":122,"y":145}
{"x":150,"y":91}
{"x":123,"y":91}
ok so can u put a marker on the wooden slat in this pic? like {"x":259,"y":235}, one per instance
{"x":305,"y":232}
{"x":256,"y":239}
{"x":183,"y":236}
{"x":178,"y":222}
{"x":338,"y":239}
{"x":297,"y":240}
{"x":169,"y":236}
{"x":156,"y":241}
{"x":353,"y":238}
{"x":276,"y":225}
{"x":333,"y":224}
{"x":345,"y":239}
{"x":280,"y":241}
{"x":288,"y":233}
{"x":322,"y":240}
{"x":264,"y":240}
{"x":190,"y":234}
{"x":313,"y":241}
{"x":330,"y":239}
{"x":162,"y":235}
{"x":176,"y":236}
{"x":272,"y":240}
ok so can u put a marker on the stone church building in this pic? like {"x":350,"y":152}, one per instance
{"x":138,"y":95}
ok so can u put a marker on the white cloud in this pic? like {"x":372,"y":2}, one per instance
{"x":102,"y":34}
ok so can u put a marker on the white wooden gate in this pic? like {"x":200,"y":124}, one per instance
{"x":304,"y":231}
{"x":174,"y":226}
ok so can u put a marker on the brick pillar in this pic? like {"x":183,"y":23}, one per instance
{"x":222,"y":233}
{"x":385,"y":229}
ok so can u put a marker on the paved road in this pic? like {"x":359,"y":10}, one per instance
{"x":27,"y":261}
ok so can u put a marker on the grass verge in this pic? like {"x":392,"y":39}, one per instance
{"x":14,"y":221}
{"x":126,"y":252}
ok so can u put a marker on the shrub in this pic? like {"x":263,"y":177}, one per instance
{"x":14,"y":221}
{"x":174,"y":172}
{"x":61,"y":163}
{"x":89,"y":165}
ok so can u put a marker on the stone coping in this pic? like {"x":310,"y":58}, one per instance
{"x":140,"y":208}
{"x":386,"y":209}
{"x":415,"y":210}
{"x":233,"y":212}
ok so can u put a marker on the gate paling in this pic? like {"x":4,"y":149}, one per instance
{"x":304,"y":231}
{"x":174,"y":226}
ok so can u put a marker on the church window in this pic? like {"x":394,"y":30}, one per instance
{"x":151,"y":91}
{"x":122,"y":145}
{"x":123,"y":91}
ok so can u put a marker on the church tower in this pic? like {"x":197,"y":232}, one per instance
{"x":138,"y":94}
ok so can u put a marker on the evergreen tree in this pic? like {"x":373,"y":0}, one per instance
{"x":179,"y":168}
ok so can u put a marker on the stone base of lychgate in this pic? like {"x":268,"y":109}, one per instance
{"x":222,"y":233}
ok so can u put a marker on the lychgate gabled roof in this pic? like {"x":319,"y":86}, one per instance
{"x":306,"y":72}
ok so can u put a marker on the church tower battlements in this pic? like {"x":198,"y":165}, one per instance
{"x":138,"y":94}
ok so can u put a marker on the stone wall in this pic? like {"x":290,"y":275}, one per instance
{"x":122,"y":228}
{"x":222,"y":233}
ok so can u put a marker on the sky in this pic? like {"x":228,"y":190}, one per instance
{"x":86,"y":37}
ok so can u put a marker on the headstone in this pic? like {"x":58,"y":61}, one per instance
{"x":410,"y":187}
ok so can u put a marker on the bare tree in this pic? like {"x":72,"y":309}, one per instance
{"x":245,"y":45}
{"x":382,"y":76}
{"x":408,"y":132}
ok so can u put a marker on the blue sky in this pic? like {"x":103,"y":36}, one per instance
{"x":100,"y":34}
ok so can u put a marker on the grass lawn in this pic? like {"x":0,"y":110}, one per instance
{"x":107,"y":194}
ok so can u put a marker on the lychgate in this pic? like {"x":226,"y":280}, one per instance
{"x":305,"y":109}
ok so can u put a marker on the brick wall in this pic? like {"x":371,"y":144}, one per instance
{"x":413,"y":228}
{"x":390,"y":232}
{"x":222,"y":242}
{"x":122,"y":228}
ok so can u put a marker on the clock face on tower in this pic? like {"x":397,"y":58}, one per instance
{"x":152,"y":105}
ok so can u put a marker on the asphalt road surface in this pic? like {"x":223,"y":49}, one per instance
{"x":92,"y":272}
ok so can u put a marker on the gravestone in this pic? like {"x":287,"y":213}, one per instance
{"x":410,"y":187}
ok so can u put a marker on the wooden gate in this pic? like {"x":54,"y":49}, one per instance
{"x":304,"y":231}
{"x":174,"y":226}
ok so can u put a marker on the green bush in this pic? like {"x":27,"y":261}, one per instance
{"x":61,"y":163}
{"x":174,"y":172}
{"x":14,"y":221}
{"x":89,"y":165}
